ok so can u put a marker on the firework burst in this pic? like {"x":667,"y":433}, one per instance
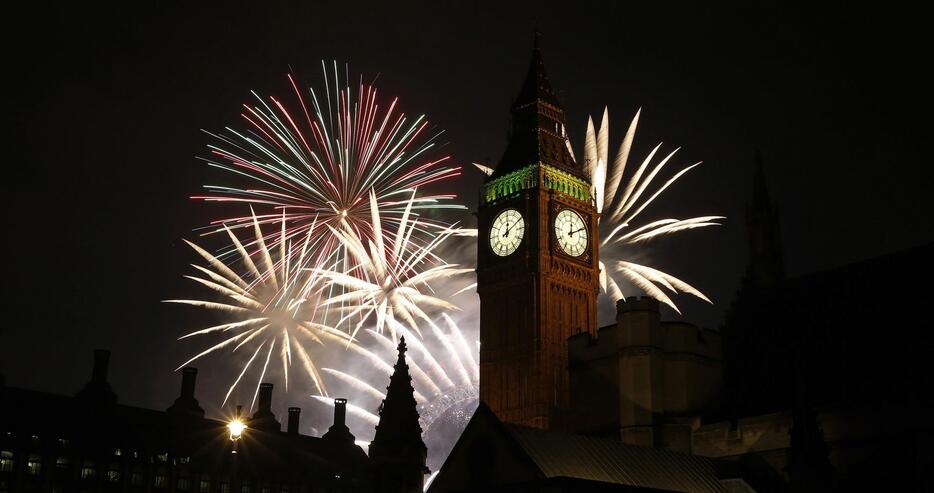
{"x":389,"y":285}
{"x":270,"y":305}
{"x":312,"y":163}
{"x":620,"y":203}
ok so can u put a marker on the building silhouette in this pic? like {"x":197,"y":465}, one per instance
{"x":90,"y":442}
{"x":813,"y":383}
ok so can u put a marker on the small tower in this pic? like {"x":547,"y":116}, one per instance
{"x":397,"y":451}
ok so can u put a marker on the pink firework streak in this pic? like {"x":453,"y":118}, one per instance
{"x":314,"y":166}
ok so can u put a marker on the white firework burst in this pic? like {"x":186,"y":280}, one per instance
{"x":272,"y":305}
{"x":389,"y":286}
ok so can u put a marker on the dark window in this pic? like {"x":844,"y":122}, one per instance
{"x":183,"y":484}
{"x":205,"y":486}
{"x":136,"y":479}
{"x":246,"y":487}
{"x":225,"y":487}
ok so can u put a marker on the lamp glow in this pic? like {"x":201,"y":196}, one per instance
{"x":236,"y":428}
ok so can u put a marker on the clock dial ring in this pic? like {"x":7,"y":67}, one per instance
{"x":506,"y":232}
{"x":571,"y":233}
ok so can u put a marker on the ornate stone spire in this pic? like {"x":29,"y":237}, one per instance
{"x":397,"y":449}
{"x":538,"y":125}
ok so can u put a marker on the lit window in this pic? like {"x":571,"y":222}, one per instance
{"x":184,"y":460}
{"x":33,"y":465}
{"x":246,"y":487}
{"x":88,"y":471}
{"x":205,"y":486}
{"x":163,"y":457}
{"x":225,"y":487}
{"x":161,"y":481}
{"x":6,"y":461}
{"x":62,"y":442}
{"x":183,"y":484}
{"x":118,"y":452}
{"x":113,"y":473}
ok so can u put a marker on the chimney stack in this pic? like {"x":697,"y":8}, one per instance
{"x":340,"y":411}
{"x":97,"y":391}
{"x":295,"y":414}
{"x":339,"y":432}
{"x":101,"y":359}
{"x":263,"y":418}
{"x":186,"y":404}
{"x":264,"y":405}
{"x":189,"y":375}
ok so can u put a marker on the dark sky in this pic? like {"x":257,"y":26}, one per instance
{"x":107,"y":104}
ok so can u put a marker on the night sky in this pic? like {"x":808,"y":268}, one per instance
{"x":107,"y":106}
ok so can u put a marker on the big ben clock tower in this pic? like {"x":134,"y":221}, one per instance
{"x":537,"y":269}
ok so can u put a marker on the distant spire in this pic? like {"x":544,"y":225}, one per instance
{"x":397,"y":449}
{"x":766,"y":267}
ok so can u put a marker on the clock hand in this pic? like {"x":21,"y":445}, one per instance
{"x":570,"y":233}
{"x":509,"y":227}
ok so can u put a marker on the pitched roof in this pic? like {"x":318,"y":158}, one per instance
{"x":518,"y":455}
{"x":610,"y":461}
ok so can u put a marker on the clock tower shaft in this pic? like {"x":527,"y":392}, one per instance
{"x":535,"y":297}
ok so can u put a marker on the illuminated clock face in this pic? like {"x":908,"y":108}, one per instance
{"x":571,"y":232}
{"x":506,"y":232}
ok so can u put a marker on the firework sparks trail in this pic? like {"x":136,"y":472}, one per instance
{"x":451,"y":388}
{"x":392,"y":282}
{"x":269,"y":304}
{"x":619,"y":208}
{"x":311,"y":164}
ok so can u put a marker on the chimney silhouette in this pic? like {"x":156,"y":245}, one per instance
{"x":338,"y":432}
{"x":101,"y":361}
{"x":295,"y":414}
{"x":263,"y":418}
{"x":186,"y":404}
{"x":98,"y":391}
